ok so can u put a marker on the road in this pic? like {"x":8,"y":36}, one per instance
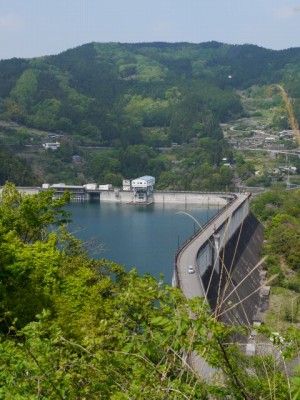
{"x":288,"y":152}
{"x":191,"y":284}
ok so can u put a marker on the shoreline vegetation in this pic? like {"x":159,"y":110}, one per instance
{"x":77,"y":327}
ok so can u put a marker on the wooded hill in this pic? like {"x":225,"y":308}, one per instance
{"x":152,"y":94}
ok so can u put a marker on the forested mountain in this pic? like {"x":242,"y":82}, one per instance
{"x":152,"y":94}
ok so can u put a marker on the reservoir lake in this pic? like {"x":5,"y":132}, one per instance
{"x":137,"y":236}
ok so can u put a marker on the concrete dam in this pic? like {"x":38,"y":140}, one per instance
{"x":225,"y":254}
{"x":168,"y":197}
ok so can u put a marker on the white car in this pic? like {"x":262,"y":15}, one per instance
{"x":191,"y":269}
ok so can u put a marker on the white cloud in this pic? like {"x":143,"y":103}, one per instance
{"x":10,"y":22}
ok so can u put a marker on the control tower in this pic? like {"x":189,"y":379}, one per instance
{"x":143,"y":189}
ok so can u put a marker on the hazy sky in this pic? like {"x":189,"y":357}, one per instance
{"x":30,"y":28}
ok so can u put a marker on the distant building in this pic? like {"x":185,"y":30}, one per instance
{"x":78,"y":192}
{"x":271,"y":139}
{"x":286,"y":134}
{"x":144,"y":182}
{"x":107,"y":186}
{"x":126,"y":184}
{"x":52,"y":146}
{"x":286,"y":170}
{"x":76,"y":159}
{"x":90,"y":186}
{"x":143,"y":188}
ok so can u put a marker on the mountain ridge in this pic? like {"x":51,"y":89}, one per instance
{"x":132,"y":94}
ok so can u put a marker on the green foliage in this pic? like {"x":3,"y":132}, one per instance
{"x":113,"y":87}
{"x":14,"y":169}
{"x":261,"y":180}
{"x":10,"y":71}
{"x":295,"y":385}
{"x":136,"y":158}
{"x":246,"y":170}
{"x":29,"y":260}
{"x":25,"y":89}
{"x":147,"y":111}
{"x":284,"y":238}
{"x":30,"y":216}
{"x":103,"y":163}
{"x":268,"y":204}
{"x":280,"y":211}
{"x":199,"y":167}
{"x":151,"y":94}
{"x":74,"y":327}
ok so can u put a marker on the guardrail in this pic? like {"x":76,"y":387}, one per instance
{"x":226,"y":194}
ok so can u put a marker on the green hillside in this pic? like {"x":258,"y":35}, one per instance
{"x":145,"y":94}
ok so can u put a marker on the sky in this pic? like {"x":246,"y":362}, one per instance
{"x":33,"y":28}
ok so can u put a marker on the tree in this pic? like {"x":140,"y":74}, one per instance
{"x":246,"y":170}
{"x":30,"y":259}
{"x":12,"y":168}
{"x":31,"y":216}
{"x":103,"y":163}
{"x":74,"y":327}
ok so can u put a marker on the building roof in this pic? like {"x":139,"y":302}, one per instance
{"x":146,"y":178}
{"x":143,"y":182}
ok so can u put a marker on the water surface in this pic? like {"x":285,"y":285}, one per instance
{"x":141,"y":237}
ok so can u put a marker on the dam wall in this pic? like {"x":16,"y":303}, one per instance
{"x":169,"y":197}
{"x":226,"y":254}
{"x":217,"y":200}
{"x":116,"y":196}
{"x":223,"y":232}
{"x":234,"y":289}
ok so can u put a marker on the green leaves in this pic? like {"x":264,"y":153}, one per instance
{"x":281,"y":211}
{"x":295,"y":385}
{"x":73,"y":327}
{"x":31,"y":216}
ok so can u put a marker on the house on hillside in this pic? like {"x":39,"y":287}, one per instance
{"x":52,"y":146}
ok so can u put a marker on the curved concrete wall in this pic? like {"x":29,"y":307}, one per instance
{"x":225,"y":253}
{"x":215,"y":199}
{"x":233,"y":287}
{"x":222,"y":234}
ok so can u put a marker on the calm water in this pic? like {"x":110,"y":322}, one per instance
{"x":143,"y":237}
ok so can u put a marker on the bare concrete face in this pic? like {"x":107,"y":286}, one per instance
{"x":226,"y":255}
{"x":235,"y":292}
{"x":167,"y":197}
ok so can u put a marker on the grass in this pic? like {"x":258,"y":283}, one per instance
{"x":284,"y":310}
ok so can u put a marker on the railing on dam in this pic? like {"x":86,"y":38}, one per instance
{"x":233,"y":210}
{"x":221,"y":194}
